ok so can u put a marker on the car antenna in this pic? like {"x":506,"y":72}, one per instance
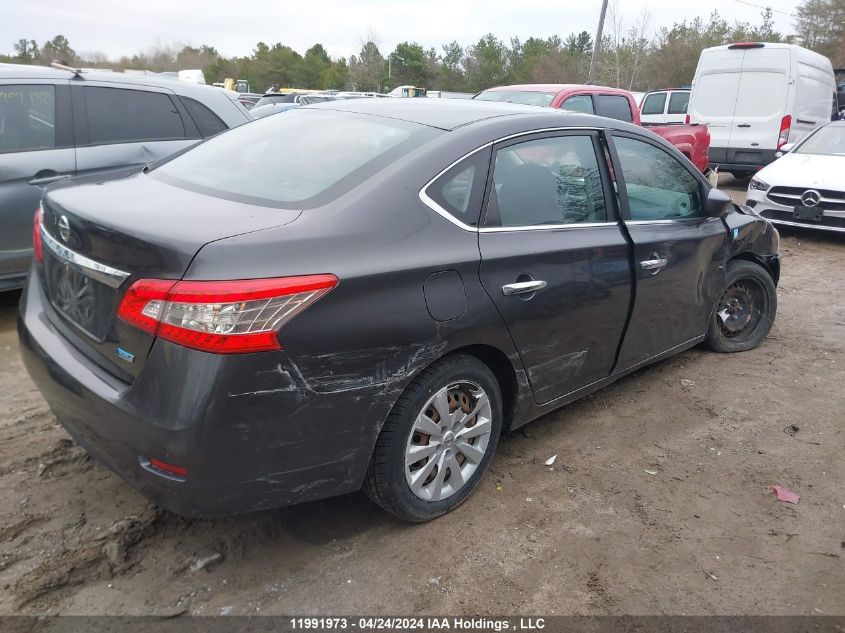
{"x":76,"y":71}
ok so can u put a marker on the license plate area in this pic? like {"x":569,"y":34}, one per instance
{"x":808,"y":214}
{"x":78,"y":298}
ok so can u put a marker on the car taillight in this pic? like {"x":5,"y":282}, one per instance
{"x":785,"y":124}
{"x":686,"y":120}
{"x":37,"y":244}
{"x":224,"y":317}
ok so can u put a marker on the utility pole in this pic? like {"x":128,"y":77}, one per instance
{"x":594,"y":60}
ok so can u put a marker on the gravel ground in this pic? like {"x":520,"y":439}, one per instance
{"x":658,"y":502}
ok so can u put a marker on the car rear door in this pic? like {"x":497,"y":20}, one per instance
{"x":554,"y":260}
{"x":36,"y":148}
{"x":120,"y":125}
{"x":679,"y":252}
{"x":714,"y":94}
{"x":760,"y":105}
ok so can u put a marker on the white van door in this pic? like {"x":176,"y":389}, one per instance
{"x":714,"y":95}
{"x":761,"y":103}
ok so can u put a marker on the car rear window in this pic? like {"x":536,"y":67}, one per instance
{"x":614,"y":107}
{"x":117,"y":115}
{"x":297,"y":159}
{"x":27,"y":118}
{"x":678,"y":102}
{"x":654,"y":103}
{"x":523,"y":97}
{"x":208,"y":123}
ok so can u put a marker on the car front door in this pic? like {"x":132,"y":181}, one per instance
{"x":121,"y":125}
{"x":36,"y":148}
{"x":679,"y":252}
{"x":554,"y":260}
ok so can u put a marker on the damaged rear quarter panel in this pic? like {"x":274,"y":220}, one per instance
{"x":307,"y":417}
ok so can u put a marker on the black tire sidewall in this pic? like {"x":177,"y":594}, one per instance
{"x":402,"y":501}
{"x":742,"y":269}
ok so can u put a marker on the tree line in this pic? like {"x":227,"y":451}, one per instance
{"x":632,"y":55}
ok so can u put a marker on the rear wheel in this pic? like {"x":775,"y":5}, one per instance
{"x":746,"y":309}
{"x":437,"y":441}
{"x":742,"y":177}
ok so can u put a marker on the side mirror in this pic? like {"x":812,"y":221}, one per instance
{"x":785,"y":149}
{"x":718,"y":203}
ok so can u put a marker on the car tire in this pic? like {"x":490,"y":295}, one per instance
{"x":746,"y":310}
{"x":741,"y":177}
{"x":461,"y":384}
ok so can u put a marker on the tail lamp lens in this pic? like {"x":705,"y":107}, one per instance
{"x":170,"y":469}
{"x":224,"y":317}
{"x":785,"y":125}
{"x":37,"y":244}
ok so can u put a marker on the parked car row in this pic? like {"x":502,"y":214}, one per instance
{"x":691,"y":140}
{"x":57,"y":124}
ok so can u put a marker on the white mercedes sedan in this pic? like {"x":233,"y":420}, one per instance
{"x":805,"y":186}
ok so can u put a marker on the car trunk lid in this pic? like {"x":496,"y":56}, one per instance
{"x":101,"y":237}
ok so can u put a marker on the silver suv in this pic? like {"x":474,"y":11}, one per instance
{"x":55,"y":124}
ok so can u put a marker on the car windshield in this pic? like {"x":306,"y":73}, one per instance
{"x":524,"y":97}
{"x":304,"y":159}
{"x":828,"y":140}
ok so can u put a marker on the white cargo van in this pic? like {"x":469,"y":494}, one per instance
{"x":756,"y":97}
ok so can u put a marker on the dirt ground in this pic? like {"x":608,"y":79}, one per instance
{"x":658,"y":503}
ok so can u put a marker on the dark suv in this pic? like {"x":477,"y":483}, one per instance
{"x":55,"y":124}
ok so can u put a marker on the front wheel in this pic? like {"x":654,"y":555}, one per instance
{"x":437,"y":440}
{"x":746,"y":310}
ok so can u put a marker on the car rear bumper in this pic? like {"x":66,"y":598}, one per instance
{"x":249,"y":437}
{"x":785,"y":216}
{"x":728,"y":159}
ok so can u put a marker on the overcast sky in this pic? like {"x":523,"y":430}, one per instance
{"x":118,"y":27}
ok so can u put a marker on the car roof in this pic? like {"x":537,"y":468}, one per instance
{"x":558,"y":88}
{"x":446,"y":114}
{"x":25,"y":71}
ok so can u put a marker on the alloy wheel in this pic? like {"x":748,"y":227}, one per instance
{"x":448,"y":441}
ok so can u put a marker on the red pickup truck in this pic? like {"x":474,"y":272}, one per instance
{"x":693,"y":141}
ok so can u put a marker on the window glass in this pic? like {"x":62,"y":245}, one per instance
{"x":614,"y":107}
{"x":208,"y":123}
{"x":300,"y":160}
{"x":829,"y":140}
{"x":118,"y":115}
{"x":654,"y":103}
{"x":524,"y":97}
{"x":659,"y":187}
{"x":546,"y":181}
{"x":579,"y":103}
{"x":27,"y":118}
{"x":459,"y":191}
{"x":678,"y":102}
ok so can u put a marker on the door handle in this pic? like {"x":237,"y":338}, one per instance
{"x":522,"y":287}
{"x":46,"y":180}
{"x":744,"y":125}
{"x":655,"y":264}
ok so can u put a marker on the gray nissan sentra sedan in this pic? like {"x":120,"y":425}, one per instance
{"x":370,"y":292}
